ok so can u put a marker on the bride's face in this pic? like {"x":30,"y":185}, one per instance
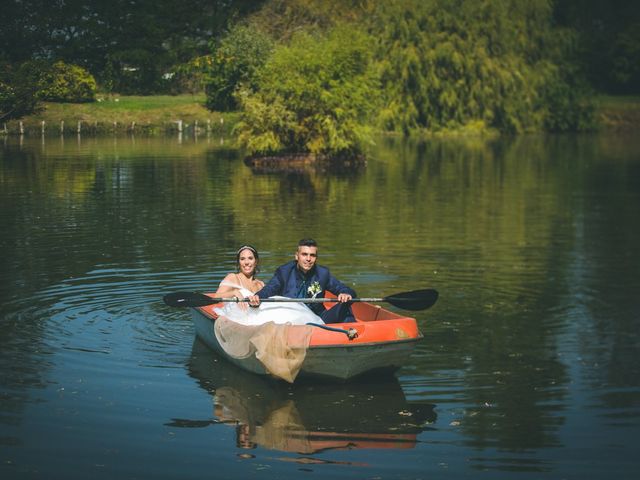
{"x":247,"y":262}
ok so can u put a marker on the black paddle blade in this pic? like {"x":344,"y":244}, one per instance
{"x":415,"y":300}
{"x":188,"y":299}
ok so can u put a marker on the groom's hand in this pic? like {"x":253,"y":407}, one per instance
{"x":344,"y":297}
{"x":254,"y":301}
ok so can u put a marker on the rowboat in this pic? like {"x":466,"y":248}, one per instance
{"x":379,"y":340}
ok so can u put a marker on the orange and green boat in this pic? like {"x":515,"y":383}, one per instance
{"x":379,"y":340}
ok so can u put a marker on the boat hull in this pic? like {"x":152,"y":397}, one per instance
{"x":385,"y":340}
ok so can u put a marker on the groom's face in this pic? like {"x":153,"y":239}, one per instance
{"x":306,"y":258}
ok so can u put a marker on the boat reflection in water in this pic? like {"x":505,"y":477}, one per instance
{"x":307,"y":417}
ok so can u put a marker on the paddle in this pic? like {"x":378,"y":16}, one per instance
{"x":414,"y":300}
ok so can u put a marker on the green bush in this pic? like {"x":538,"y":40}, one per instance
{"x":446,"y":65}
{"x":68,"y":83}
{"x":235,"y":61}
{"x":19,"y":87}
{"x":570,"y":108}
{"x":314,"y":95}
{"x":7,"y":99}
{"x":443,"y":69}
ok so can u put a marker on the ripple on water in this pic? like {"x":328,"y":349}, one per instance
{"x":109,"y":310}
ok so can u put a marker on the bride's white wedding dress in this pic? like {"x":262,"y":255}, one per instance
{"x":276,"y":312}
{"x":266,"y":333}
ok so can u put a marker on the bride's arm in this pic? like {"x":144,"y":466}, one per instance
{"x":226,"y":288}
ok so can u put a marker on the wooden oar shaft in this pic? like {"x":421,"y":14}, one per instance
{"x":297,"y":300}
{"x":416,"y":300}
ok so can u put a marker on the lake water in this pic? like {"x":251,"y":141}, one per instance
{"x":529,"y":367}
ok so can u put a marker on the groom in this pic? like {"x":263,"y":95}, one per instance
{"x":302,"y":278}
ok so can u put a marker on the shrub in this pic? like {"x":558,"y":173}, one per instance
{"x":68,"y":83}
{"x":445,"y":65}
{"x":313,"y":96}
{"x":235,"y":61}
{"x":19,"y":87}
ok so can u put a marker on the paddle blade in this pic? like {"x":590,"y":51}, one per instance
{"x":188,"y":299}
{"x":415,"y":300}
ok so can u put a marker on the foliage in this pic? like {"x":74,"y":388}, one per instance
{"x":569,"y":103}
{"x":19,"y":89}
{"x":607,"y":43}
{"x":68,"y":83}
{"x":445,"y":65}
{"x":188,"y":77}
{"x":568,"y":111}
{"x":23,"y":88}
{"x":7,"y":101}
{"x":313,"y":95}
{"x":281,"y":19}
{"x":127,"y":44}
{"x":235,"y":61}
{"x":625,"y":60}
{"x":136,"y":71}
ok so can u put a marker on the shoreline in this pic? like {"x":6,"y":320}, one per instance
{"x":186,"y":114}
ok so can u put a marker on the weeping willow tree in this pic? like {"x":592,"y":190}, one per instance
{"x":450,"y":65}
{"x":410,"y":66}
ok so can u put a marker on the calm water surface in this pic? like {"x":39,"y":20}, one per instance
{"x":528,"y":369}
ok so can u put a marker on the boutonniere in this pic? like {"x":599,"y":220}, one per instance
{"x":314,"y":289}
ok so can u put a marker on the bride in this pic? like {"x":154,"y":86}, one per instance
{"x":244,"y":283}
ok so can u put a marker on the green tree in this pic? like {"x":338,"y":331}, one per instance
{"x":131,"y":43}
{"x":607,"y":43}
{"x":68,"y":83}
{"x":236,"y":59}
{"x":448,"y":65}
{"x":314,"y":95}
{"x":19,"y":88}
{"x":443,"y":66}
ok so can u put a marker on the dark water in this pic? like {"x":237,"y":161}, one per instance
{"x":529,"y":366}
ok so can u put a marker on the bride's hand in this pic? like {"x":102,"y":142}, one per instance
{"x":241,"y":304}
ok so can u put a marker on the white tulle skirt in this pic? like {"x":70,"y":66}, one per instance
{"x":276,"y":312}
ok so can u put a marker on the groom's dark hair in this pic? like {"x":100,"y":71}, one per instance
{"x":307,"y":242}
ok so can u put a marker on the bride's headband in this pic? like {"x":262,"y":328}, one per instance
{"x":247,"y":247}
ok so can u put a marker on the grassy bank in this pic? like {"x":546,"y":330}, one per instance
{"x":152,"y":114}
{"x":618,"y":113}
{"x":163,"y":113}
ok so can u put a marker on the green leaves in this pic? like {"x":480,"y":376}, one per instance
{"x":313,"y":95}
{"x":19,"y":89}
{"x":235,"y":62}
{"x":409,"y":66}
{"x":445,"y":66}
{"x":68,"y":83}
